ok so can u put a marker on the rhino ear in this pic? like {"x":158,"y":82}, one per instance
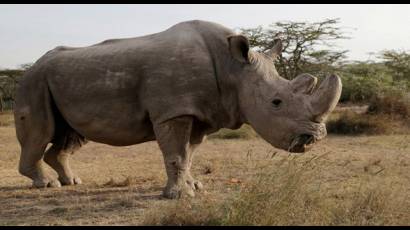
{"x":239,"y":48}
{"x":277,"y":48}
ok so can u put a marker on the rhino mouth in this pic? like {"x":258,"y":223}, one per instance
{"x":301,"y":143}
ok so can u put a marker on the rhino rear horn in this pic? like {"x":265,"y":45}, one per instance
{"x":304,"y":83}
{"x":325,"y":98}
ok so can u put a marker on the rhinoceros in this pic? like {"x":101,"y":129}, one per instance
{"x":175,"y":87}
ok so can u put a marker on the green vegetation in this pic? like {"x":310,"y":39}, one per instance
{"x":8,"y":82}
{"x":307,"y":47}
{"x":363,"y":82}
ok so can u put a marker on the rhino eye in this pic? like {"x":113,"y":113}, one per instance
{"x":276,"y":103}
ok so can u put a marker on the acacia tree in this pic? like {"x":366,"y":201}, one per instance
{"x":307,"y":47}
{"x":398,"y":63}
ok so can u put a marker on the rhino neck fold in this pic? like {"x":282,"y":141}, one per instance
{"x":229,"y":113}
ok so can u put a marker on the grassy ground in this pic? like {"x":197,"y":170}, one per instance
{"x":361,"y":180}
{"x":6,"y":118}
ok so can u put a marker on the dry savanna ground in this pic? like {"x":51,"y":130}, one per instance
{"x":344,"y":180}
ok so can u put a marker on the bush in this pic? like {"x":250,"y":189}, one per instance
{"x":363,"y":81}
{"x":371,"y":123}
{"x":393,"y":103}
{"x":352,"y":123}
{"x":359,"y":89}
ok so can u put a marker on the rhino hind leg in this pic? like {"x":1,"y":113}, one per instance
{"x":58,"y":159}
{"x":177,"y":140}
{"x":34,"y":122}
{"x":38,"y":123}
{"x":196,"y":138}
{"x":65,"y":142}
{"x":31,"y":165}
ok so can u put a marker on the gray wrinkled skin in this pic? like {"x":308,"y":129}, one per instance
{"x":175,"y":87}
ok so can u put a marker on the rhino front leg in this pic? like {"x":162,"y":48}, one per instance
{"x":174,"y":137}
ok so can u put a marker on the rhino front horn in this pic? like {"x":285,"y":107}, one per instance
{"x":325,"y":98}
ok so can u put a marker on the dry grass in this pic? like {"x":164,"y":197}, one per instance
{"x":360,"y":180}
{"x":6,"y":118}
{"x":294,"y":191}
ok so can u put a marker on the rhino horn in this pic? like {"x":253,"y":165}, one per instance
{"x":325,"y":98}
{"x":304,"y":83}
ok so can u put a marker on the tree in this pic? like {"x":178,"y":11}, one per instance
{"x":398,"y":62}
{"x":306,"y":46}
{"x":8,"y":82}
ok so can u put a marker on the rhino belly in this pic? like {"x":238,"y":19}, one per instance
{"x":102,"y":109}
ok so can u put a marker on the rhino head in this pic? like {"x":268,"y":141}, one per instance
{"x":290,"y":115}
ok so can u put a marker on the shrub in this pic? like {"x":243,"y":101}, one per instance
{"x":359,"y":89}
{"x":393,"y":103}
{"x":363,"y":81}
{"x":353,"y":123}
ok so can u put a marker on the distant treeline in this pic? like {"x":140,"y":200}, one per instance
{"x":8,"y":82}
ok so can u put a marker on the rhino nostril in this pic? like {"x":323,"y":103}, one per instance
{"x":306,"y":139}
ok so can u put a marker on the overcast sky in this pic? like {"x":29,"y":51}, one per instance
{"x":28,"y":31}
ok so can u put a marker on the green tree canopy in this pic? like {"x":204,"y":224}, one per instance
{"x":8,"y":82}
{"x":307,"y":47}
{"x":398,"y":63}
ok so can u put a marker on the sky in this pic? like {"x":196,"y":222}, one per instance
{"x":29,"y":31}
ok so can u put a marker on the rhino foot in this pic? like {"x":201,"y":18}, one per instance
{"x":177,"y":192}
{"x":194,"y":184}
{"x":189,"y":188}
{"x":70,"y":181}
{"x":198,"y":185}
{"x":46,"y":184}
{"x":56,"y":183}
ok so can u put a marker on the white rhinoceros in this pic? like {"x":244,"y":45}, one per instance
{"x":175,"y":87}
